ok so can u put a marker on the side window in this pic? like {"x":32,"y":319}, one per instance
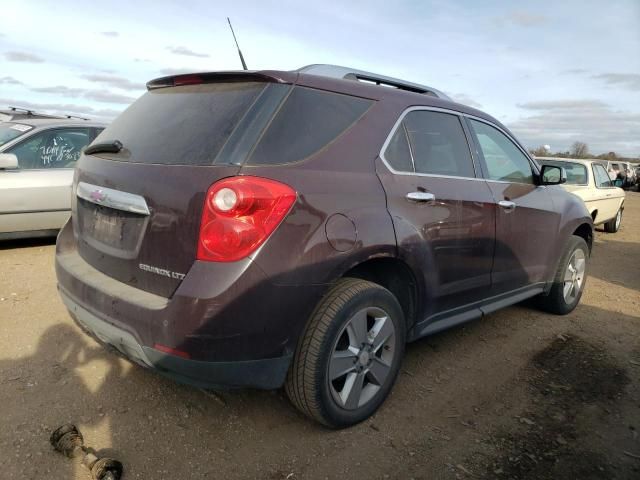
{"x":430,"y":142}
{"x":308,"y":121}
{"x":504,"y":161}
{"x":438,"y":144}
{"x":600,"y":176}
{"x":397,"y":152}
{"x":58,"y":148}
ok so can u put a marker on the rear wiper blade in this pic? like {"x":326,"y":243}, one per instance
{"x":114,"y":146}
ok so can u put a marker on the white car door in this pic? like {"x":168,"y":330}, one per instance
{"x":37,"y":195}
{"x":607,"y":196}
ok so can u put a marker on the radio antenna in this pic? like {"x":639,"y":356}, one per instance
{"x":244,"y":65}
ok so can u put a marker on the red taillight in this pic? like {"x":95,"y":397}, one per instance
{"x":187,"y":80}
{"x":239,"y":214}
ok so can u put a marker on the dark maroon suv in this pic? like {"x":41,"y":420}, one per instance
{"x":261,"y":229}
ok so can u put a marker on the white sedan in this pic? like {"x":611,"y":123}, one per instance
{"x":37,"y":158}
{"x":589,"y":180}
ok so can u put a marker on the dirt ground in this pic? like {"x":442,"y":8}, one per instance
{"x":518,"y":395}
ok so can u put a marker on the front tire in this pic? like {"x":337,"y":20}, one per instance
{"x":613,"y":225}
{"x":349,"y":356}
{"x":570,"y":279}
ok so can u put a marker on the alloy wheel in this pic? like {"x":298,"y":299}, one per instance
{"x":574,"y":276}
{"x":362,"y":358}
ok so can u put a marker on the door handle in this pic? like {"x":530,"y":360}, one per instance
{"x":507,"y":205}
{"x":420,"y":197}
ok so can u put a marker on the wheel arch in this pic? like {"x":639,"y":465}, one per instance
{"x":585,"y":231}
{"x":396,"y":276}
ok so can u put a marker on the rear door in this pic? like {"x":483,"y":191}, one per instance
{"x":37,"y":196}
{"x":442,"y":212}
{"x":137,"y":212}
{"x":526,"y":221}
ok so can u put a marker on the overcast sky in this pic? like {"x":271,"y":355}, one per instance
{"x":554,"y":72}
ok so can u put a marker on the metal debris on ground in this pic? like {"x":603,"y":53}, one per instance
{"x":68,"y":440}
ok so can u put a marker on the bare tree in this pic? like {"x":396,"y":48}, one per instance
{"x":540,"y":151}
{"x":579,"y":150}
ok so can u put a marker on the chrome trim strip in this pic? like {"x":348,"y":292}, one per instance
{"x":397,"y":124}
{"x":108,"y":197}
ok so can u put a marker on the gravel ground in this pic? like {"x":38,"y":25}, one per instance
{"x":520,"y":394}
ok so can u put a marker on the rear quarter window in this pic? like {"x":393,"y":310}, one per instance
{"x":308,"y":121}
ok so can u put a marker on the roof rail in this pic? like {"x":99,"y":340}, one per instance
{"x":29,"y":111}
{"x":336,"y":71}
{"x":70,"y":117}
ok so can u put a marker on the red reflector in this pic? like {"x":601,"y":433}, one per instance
{"x":238,"y":216}
{"x":171,"y":351}
{"x":187,"y":80}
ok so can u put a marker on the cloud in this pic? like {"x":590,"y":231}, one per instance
{"x":23,"y":57}
{"x":110,"y":34}
{"x":177,"y":71}
{"x":522,"y":18}
{"x":575,"y":71}
{"x":559,"y":123}
{"x":630,"y":81}
{"x":465,"y":99}
{"x":115,"y":81}
{"x":10,"y":81}
{"x":563,"y":105}
{"x":187,"y":52}
{"x":102,"y":96}
{"x":60,"y":90}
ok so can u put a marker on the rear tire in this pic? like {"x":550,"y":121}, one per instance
{"x":613,"y":225}
{"x":570,"y":279}
{"x":349,"y":355}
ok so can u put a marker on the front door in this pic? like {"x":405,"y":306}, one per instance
{"x":606,"y":196}
{"x":526,"y":222}
{"x":443,"y":214}
{"x":37,"y":196}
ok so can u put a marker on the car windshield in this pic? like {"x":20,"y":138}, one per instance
{"x":11,"y":131}
{"x":576,"y":172}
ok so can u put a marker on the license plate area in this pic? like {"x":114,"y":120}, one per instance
{"x":114,"y":232}
{"x":108,"y":226}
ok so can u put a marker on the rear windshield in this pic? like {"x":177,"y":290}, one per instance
{"x":231,"y":123}
{"x":11,"y":131}
{"x":186,"y":125}
{"x":576,"y":172}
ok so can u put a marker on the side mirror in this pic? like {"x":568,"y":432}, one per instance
{"x":8,"y":161}
{"x":552,"y":175}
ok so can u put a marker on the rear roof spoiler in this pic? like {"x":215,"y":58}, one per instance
{"x":229,"y":76}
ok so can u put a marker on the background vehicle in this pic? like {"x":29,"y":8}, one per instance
{"x":588,"y":180}
{"x":308,"y":229}
{"x":37,"y":157}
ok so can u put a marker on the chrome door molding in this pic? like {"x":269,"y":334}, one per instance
{"x":108,"y":197}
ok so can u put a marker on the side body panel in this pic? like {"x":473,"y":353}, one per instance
{"x":34,"y":199}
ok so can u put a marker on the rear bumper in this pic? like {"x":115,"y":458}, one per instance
{"x":230,"y":318}
{"x":267,"y":373}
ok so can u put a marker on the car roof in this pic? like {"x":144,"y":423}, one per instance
{"x":584,"y":161}
{"x":361,"y":86}
{"x":54,"y":122}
